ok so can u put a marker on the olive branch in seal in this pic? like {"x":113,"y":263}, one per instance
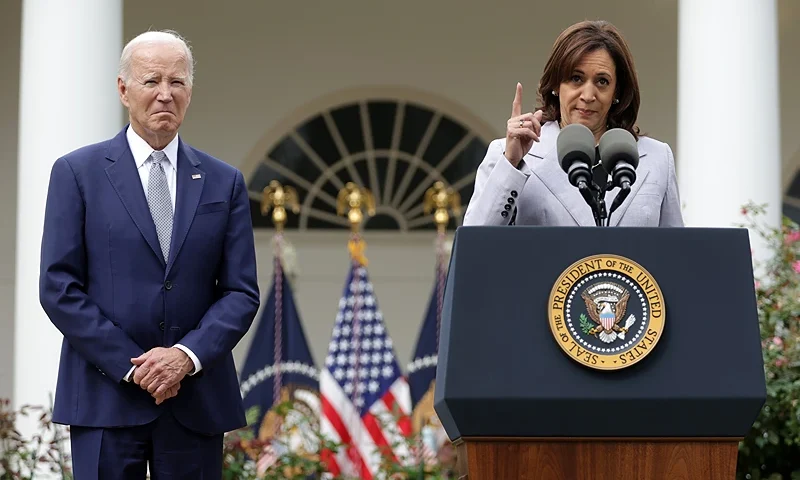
{"x":586,"y":325}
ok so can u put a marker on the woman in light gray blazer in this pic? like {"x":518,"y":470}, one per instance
{"x":589,"y":79}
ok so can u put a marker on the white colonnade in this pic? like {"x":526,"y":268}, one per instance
{"x":728,"y":111}
{"x":70,"y":51}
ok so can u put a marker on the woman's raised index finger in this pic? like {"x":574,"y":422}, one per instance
{"x":516,"y":107}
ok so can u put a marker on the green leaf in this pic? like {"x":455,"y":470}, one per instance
{"x":586,"y":325}
{"x":253,"y":415}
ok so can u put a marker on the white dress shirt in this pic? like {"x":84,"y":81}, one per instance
{"x":141,"y":154}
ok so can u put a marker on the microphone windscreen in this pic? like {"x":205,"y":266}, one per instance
{"x":575,"y":143}
{"x":618,"y":144}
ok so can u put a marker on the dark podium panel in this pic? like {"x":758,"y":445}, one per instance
{"x":510,"y":397}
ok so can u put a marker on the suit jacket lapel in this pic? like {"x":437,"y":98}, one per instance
{"x":545,"y":166}
{"x":189,"y":184}
{"x":641,"y":175}
{"x":125,"y":179}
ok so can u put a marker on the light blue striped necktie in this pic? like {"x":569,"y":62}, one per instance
{"x":158,"y":197}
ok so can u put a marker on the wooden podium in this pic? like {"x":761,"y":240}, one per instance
{"x":597,"y":459}
{"x":520,"y":392}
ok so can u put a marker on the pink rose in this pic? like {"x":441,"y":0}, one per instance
{"x":792,"y":237}
{"x":796,"y":266}
{"x":777,"y":341}
{"x":780,"y":362}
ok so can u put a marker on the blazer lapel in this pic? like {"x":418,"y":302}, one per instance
{"x":189,"y":184}
{"x":641,"y":176}
{"x":125,"y":179}
{"x":545,"y":166}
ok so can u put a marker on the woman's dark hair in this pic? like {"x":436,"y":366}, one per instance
{"x":568,"y":50}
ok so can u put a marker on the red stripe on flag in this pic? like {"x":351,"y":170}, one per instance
{"x":375,"y":431}
{"x":344,"y":435}
{"x":333,"y":416}
{"x":355,"y":457}
{"x":403,"y":421}
{"x":330,"y":462}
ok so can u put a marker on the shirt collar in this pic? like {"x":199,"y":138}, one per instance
{"x":141,"y":150}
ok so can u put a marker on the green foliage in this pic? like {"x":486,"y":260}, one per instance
{"x":771,"y":450}
{"x":413,"y":467}
{"x":586,"y":325}
{"x":26,"y":458}
{"x":242,"y":451}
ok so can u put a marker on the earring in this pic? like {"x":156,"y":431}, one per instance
{"x":616,"y":100}
{"x":554,"y":93}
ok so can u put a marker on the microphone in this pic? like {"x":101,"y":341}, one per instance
{"x":575,"y":147}
{"x":576,"y":153}
{"x":620,"y":157}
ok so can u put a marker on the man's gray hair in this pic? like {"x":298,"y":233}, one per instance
{"x":162,"y":36}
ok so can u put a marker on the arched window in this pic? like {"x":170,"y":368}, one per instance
{"x":396,"y":143}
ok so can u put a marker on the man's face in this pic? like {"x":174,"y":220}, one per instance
{"x":158,"y":92}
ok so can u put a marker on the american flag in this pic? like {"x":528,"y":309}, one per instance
{"x":365,"y":398}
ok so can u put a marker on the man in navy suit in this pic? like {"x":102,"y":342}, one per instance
{"x":148,"y":269}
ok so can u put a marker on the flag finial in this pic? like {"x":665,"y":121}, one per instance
{"x":441,"y":199}
{"x":352,"y":199}
{"x":278,"y":197}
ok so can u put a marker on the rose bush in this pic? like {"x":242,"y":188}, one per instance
{"x":771,"y":450}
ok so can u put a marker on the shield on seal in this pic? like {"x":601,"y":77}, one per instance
{"x":607,"y":317}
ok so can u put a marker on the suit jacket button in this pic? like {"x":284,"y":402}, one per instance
{"x":507,"y":206}
{"x":161,"y":326}
{"x":511,"y":200}
{"x":514,"y":193}
{"x":168,"y":285}
{"x":504,"y":213}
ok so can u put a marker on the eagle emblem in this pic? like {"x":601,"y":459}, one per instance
{"x":606,"y":303}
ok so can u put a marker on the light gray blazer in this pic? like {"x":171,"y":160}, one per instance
{"x":539,"y":191}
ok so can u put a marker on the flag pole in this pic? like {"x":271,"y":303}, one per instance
{"x":440,"y":199}
{"x":278,"y":197}
{"x":350,"y":202}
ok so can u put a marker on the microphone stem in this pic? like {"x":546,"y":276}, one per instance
{"x":624,"y":190}
{"x":602,"y":209}
{"x":598,"y":209}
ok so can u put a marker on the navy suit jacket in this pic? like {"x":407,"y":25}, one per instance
{"x":106,"y":287}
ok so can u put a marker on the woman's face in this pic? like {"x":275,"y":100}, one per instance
{"x":588,"y":94}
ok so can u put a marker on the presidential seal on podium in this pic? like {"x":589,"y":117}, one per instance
{"x":606,"y":312}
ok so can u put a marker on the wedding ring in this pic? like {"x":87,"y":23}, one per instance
{"x":521,"y":123}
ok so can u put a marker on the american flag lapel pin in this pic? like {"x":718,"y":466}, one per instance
{"x":195,"y":176}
